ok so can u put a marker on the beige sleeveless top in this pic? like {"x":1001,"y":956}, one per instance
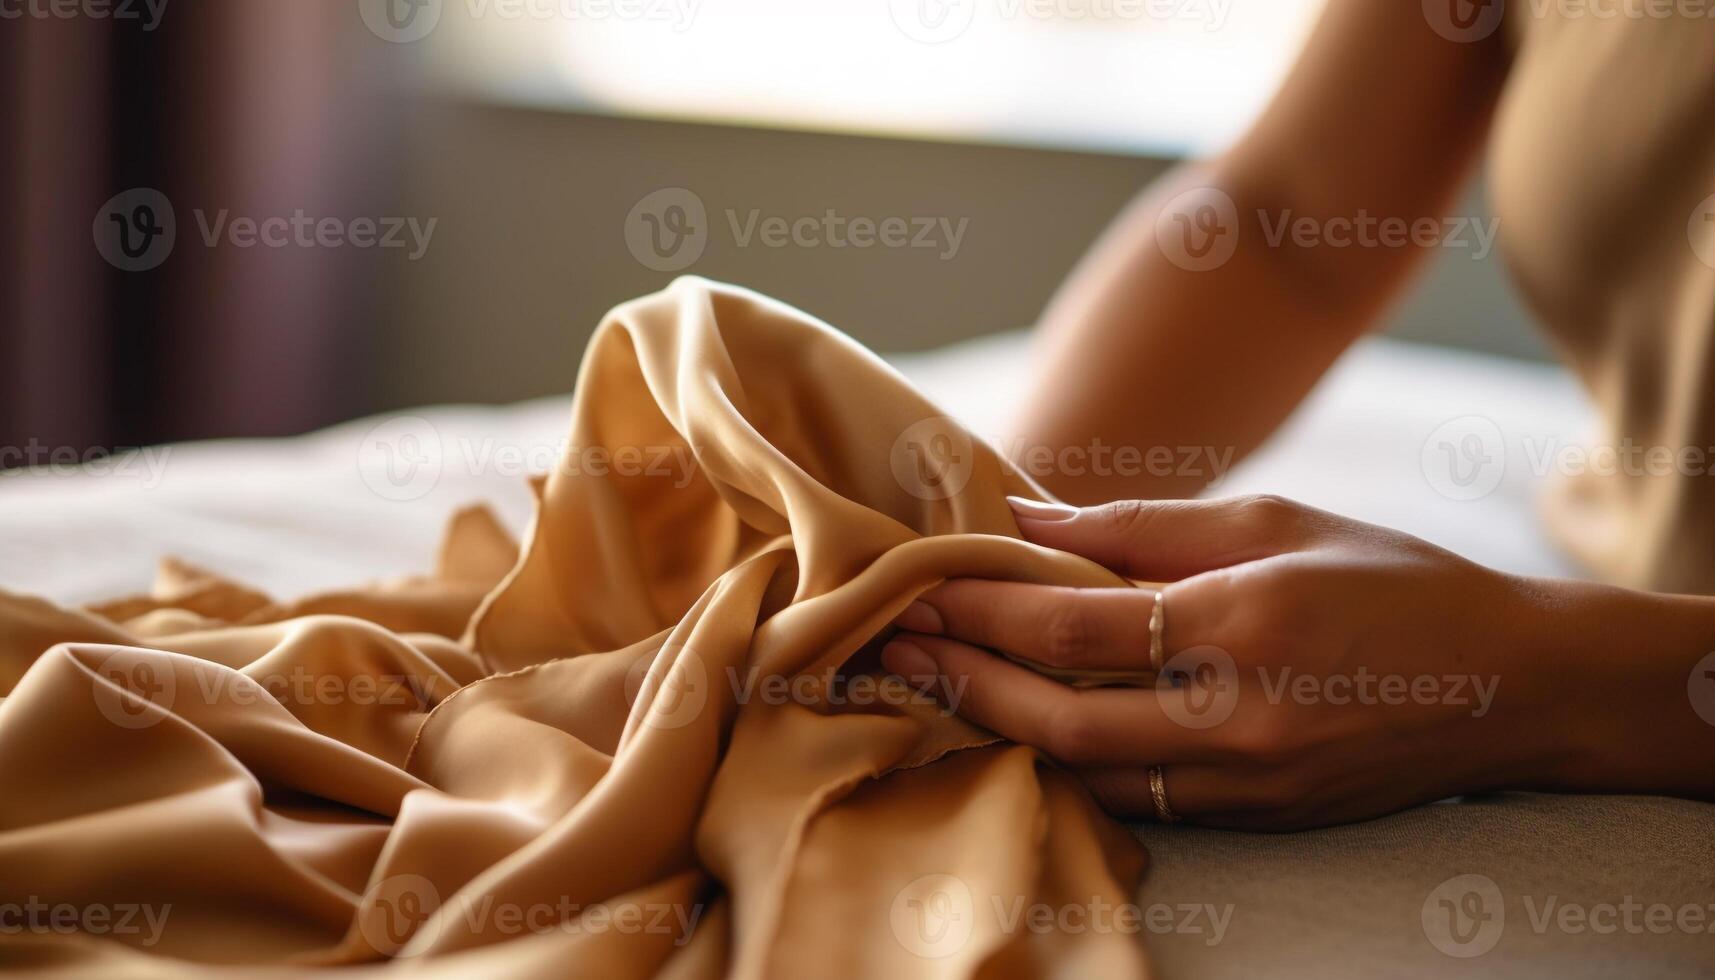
{"x":1603,"y":174}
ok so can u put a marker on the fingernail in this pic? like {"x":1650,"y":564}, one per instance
{"x":920,"y":617}
{"x":908,"y":660}
{"x":1038,"y":511}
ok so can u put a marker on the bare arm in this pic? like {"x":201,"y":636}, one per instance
{"x":1381,"y":116}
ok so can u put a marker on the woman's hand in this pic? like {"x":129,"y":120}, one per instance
{"x":1318,"y":670}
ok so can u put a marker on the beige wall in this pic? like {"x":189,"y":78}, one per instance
{"x":529,"y":250}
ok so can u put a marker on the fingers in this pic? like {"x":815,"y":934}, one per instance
{"x":1075,"y":629}
{"x":1192,"y":791}
{"x":1081,"y":728}
{"x":1167,"y":540}
{"x":1070,"y":629}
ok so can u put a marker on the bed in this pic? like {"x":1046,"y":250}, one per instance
{"x":1479,"y":887}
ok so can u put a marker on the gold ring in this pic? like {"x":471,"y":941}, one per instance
{"x":1157,"y":626}
{"x":1158,"y":793}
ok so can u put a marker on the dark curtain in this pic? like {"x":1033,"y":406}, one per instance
{"x":255,"y":108}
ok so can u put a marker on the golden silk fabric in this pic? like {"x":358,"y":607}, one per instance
{"x":624,"y":751}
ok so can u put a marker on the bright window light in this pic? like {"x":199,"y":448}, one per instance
{"x":1159,"y":76}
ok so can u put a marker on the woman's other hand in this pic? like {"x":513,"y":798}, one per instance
{"x":1317,"y":670}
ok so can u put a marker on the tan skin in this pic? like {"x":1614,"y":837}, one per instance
{"x":1588,"y":684}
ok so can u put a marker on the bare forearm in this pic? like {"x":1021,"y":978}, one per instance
{"x":1176,"y":370}
{"x":1380,"y":118}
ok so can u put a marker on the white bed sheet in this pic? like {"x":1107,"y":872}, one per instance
{"x":294,"y":515}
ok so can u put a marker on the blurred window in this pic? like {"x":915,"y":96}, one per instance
{"x":1156,"y":76}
